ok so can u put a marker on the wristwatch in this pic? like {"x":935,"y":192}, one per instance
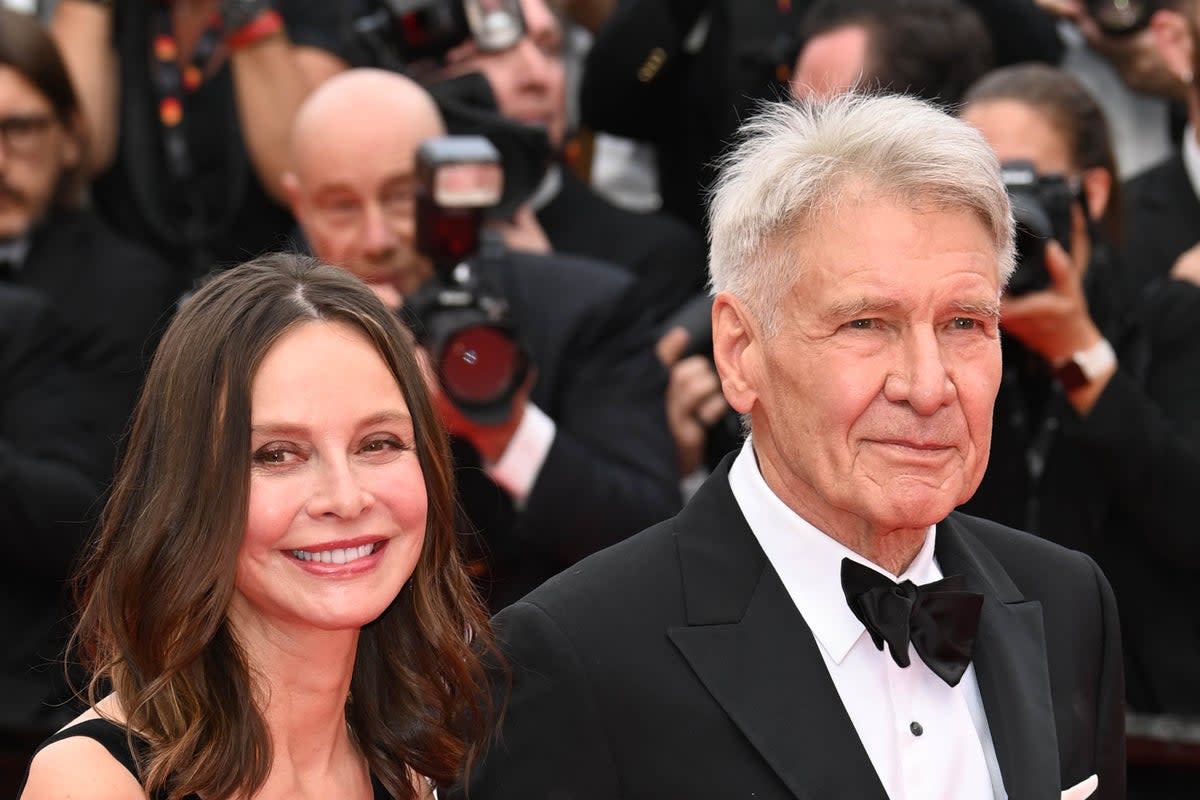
{"x":1085,"y":366}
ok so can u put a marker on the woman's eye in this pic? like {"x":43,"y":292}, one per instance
{"x":384,"y":445}
{"x":272,"y":455}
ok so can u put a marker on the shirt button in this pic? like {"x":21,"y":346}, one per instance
{"x":916,"y":728}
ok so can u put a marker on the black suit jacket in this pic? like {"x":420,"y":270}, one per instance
{"x":667,"y":257}
{"x":611,"y":469}
{"x":114,"y":298}
{"x":675,"y":665}
{"x":1160,"y":218}
{"x":45,"y":495}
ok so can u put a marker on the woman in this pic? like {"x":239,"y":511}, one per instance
{"x":275,"y":597}
{"x":1096,"y":439}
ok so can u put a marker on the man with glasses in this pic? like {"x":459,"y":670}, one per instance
{"x":108,"y":296}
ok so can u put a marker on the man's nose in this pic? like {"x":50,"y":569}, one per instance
{"x":536,"y":63}
{"x":338,"y":492}
{"x":919,"y":376}
{"x":379,"y":234}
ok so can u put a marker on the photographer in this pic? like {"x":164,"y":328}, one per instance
{"x":1096,"y":437}
{"x":524,"y":84}
{"x":188,"y":104}
{"x":584,"y":458}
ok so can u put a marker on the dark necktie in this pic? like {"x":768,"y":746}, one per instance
{"x":939,"y":618}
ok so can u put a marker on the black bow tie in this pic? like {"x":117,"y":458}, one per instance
{"x":940,"y":618}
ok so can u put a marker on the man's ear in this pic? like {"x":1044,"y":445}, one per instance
{"x":291,"y":189}
{"x":737,"y":351}
{"x":1173,"y":37}
{"x":1097,"y":189}
{"x":73,"y":143}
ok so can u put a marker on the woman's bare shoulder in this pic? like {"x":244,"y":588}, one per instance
{"x":80,"y":766}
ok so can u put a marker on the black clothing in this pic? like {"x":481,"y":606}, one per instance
{"x":642,"y":81}
{"x":46,"y":493}
{"x":114,"y":298}
{"x":611,"y":469}
{"x":1119,"y":484}
{"x":668,"y":258}
{"x":675,"y":665}
{"x":1160,"y":218}
{"x":114,"y":739}
{"x":224,"y":216}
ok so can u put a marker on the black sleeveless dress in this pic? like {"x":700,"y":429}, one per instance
{"x":112,"y":737}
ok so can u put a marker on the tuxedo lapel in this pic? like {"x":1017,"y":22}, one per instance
{"x":1010,"y":665}
{"x":758,"y":659}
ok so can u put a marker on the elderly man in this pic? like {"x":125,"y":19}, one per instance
{"x":585,"y":457}
{"x":818,"y":622}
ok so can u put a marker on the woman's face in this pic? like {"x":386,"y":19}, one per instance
{"x":337,"y":503}
{"x":1018,"y":132}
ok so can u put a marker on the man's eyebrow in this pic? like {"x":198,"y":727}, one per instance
{"x":987,"y":308}
{"x":860,"y":306}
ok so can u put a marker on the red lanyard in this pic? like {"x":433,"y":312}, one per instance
{"x":171,"y":83}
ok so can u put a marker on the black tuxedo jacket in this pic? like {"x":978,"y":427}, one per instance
{"x":611,"y":469}
{"x":675,"y":665}
{"x":1160,"y":218}
{"x":667,"y":257}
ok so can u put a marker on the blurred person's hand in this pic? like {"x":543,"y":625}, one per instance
{"x":1135,"y":57}
{"x":524,"y":233}
{"x":694,"y":398}
{"x":1187,"y":266}
{"x":1053,"y":322}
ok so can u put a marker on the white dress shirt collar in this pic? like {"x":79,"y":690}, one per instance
{"x":808,"y":561}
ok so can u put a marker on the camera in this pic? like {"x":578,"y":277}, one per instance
{"x":404,"y":33}
{"x":463,"y":324}
{"x":1041,"y":206}
{"x":1121,"y":17}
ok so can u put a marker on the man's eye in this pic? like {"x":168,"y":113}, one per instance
{"x":965,"y":323}
{"x":862,"y":324}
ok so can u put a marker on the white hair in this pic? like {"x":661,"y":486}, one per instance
{"x":795,"y":160}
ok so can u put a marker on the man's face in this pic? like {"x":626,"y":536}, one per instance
{"x":528,"y":80}
{"x":872,"y":402}
{"x":831,"y":63}
{"x":354,"y":196}
{"x":35,"y":149}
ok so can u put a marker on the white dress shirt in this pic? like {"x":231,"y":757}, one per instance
{"x":926,"y":740}
{"x":1191,"y":158}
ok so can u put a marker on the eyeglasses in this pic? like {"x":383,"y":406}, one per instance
{"x":22,"y":133}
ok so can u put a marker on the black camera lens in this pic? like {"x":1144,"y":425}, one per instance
{"x":1121,"y":17}
{"x":480,"y":365}
{"x":1041,"y":207}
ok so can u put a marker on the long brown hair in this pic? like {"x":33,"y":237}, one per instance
{"x":157,"y":583}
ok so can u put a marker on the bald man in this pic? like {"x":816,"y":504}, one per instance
{"x":585,"y":458}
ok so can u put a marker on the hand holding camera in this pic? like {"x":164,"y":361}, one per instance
{"x":1053,"y":322}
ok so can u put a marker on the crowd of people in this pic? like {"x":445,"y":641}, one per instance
{"x":284,"y":420}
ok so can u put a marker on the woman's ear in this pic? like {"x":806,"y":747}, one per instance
{"x":1097,"y":188}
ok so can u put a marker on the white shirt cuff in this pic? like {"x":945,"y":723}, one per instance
{"x":521,"y":462}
